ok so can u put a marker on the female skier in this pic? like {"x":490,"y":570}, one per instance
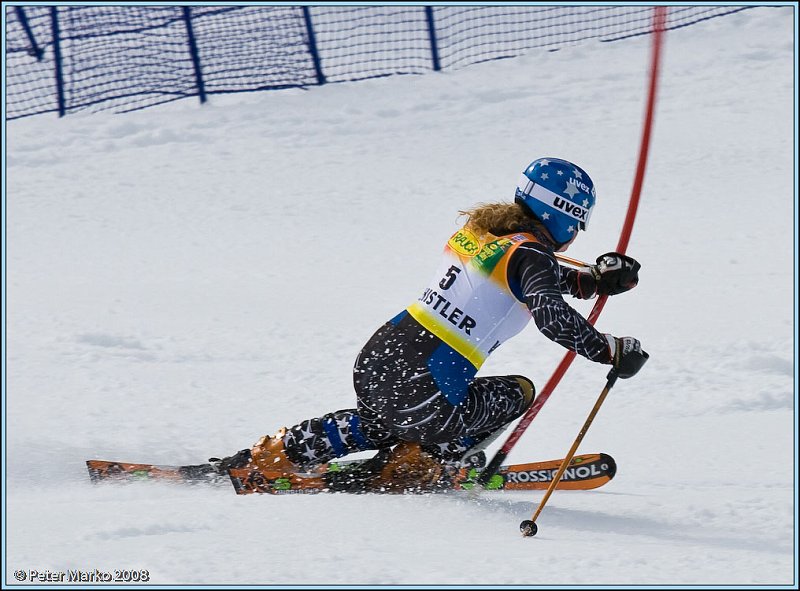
{"x":415,"y":379}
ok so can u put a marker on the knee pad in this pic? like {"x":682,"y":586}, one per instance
{"x":528,"y":389}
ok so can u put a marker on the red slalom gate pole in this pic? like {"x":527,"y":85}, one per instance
{"x":659,"y":20}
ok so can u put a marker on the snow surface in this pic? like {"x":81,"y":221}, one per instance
{"x":182,"y":280}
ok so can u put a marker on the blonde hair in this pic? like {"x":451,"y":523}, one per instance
{"x":485,"y":217}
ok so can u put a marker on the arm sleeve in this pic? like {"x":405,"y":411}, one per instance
{"x":536,"y":277}
{"x":576,"y":283}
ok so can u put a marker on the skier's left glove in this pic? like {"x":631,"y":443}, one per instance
{"x":627,"y":355}
{"x":615,"y":273}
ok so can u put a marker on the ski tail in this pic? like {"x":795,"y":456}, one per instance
{"x":104,"y":470}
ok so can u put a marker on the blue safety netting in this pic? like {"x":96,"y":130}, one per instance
{"x":67,"y":59}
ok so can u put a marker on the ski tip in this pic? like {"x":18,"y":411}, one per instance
{"x":611,"y":463}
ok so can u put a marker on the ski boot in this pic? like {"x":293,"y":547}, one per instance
{"x":267,"y":455}
{"x":409,"y":469}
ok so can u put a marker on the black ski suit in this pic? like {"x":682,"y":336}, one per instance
{"x":415,"y":378}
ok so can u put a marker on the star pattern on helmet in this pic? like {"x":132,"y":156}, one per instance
{"x":586,"y":203}
{"x":544,"y":162}
{"x":560,"y":172}
{"x":571,"y":190}
{"x":545,"y":216}
{"x":571,"y":229}
{"x":544,"y":176}
{"x":577,"y":173}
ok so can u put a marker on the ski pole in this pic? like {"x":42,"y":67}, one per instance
{"x":529,"y":527}
{"x":570,"y":261}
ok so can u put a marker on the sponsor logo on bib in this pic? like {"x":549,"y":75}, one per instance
{"x":465,"y":243}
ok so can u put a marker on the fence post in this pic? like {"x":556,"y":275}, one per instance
{"x":35,"y":49}
{"x":312,"y":45}
{"x":62,"y":107}
{"x":198,"y":72}
{"x":432,"y":35}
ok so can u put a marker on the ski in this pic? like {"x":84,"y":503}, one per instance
{"x":586,"y":471}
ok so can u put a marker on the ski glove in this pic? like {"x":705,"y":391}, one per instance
{"x":627,"y":356}
{"x":615,"y":273}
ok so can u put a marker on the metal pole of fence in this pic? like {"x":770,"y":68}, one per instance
{"x":23,"y":20}
{"x":432,"y":36}
{"x":62,"y":107}
{"x":198,"y":71}
{"x":312,"y":45}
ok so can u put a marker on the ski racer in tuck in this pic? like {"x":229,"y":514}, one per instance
{"x":418,"y":400}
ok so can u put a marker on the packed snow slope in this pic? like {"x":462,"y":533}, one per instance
{"x":185,"y":279}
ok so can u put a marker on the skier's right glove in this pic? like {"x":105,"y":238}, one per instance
{"x":615,"y":273}
{"x":627,"y":356}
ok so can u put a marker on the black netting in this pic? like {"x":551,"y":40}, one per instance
{"x":357,"y":42}
{"x":252,"y":48}
{"x":117,"y":57}
{"x":129,"y":57}
{"x":30,"y":83}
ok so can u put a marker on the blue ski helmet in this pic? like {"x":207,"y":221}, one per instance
{"x":560,"y":194}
